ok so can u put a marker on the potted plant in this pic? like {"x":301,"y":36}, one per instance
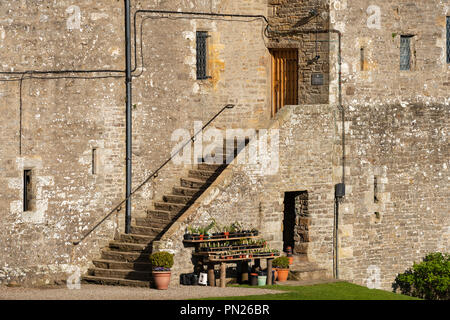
{"x":191,"y":233}
{"x":161,"y":262}
{"x":226,"y":231}
{"x":187,"y":235}
{"x":205,"y":231}
{"x":282,"y":266}
{"x":254,"y":232}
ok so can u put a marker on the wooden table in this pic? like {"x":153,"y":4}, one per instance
{"x":212,"y":258}
{"x":223,"y":269}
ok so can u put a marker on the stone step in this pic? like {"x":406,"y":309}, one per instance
{"x":313,"y":274}
{"x":300,"y":258}
{"x":202,"y":175}
{"x":122,"y":256}
{"x":305,"y":265}
{"x":149,"y":231}
{"x":127,"y":274}
{"x":193,"y":183}
{"x":217,"y":158}
{"x":115,"y":281}
{"x":177,"y":198}
{"x":110,"y":264}
{"x":182,"y":191}
{"x":210,"y":167}
{"x":160,"y":214}
{"x":129,"y":247}
{"x":135,"y":238}
{"x":152,"y":223}
{"x":169,"y":206}
{"x":304,"y":270}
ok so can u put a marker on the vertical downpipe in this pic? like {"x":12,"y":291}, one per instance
{"x":128,"y":115}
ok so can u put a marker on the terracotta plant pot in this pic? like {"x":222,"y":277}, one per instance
{"x":282,"y":274}
{"x":161,"y":279}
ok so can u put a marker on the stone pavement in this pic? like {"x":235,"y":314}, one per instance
{"x":100,"y":292}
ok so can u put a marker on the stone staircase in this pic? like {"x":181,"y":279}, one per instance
{"x":125,"y":261}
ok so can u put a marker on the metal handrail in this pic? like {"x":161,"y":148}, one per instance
{"x":154,"y":174}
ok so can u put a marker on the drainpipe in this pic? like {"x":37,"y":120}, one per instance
{"x":340,"y":187}
{"x":128,"y":115}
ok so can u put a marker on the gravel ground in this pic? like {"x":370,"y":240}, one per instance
{"x":99,"y":292}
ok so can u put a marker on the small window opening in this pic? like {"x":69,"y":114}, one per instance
{"x":405,"y":53}
{"x":201,"y":55}
{"x":363,"y":59}
{"x":375,"y":189}
{"x":94,"y":161}
{"x":27,"y":190}
{"x":448,"y":39}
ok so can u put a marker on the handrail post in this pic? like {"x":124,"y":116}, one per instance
{"x":129,"y":136}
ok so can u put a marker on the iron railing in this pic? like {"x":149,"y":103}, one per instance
{"x":154,"y":174}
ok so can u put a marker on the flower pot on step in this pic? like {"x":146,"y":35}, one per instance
{"x":161,"y":279}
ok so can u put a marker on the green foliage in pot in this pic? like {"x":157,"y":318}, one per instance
{"x":193,"y":230}
{"x":429,"y":279}
{"x":161,"y":261}
{"x":281,"y":262}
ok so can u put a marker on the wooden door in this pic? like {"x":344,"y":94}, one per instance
{"x":284,"y":78}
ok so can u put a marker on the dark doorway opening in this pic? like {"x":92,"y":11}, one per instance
{"x":296,"y":222}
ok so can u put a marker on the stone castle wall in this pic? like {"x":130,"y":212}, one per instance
{"x":51,"y":125}
{"x":396,"y":126}
{"x":376,"y":27}
{"x":404,"y":148}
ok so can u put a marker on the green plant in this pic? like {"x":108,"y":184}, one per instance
{"x":281,"y":262}
{"x":237,"y":226}
{"x":429,"y":279}
{"x":193,"y":230}
{"x":205,"y":230}
{"x":161,"y":261}
{"x":215,"y":226}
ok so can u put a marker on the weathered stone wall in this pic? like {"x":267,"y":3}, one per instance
{"x":64,"y":119}
{"x":396,"y":127}
{"x":254,"y":193}
{"x":294,"y":25}
{"x":56,"y":125}
{"x":395,"y":134}
{"x":406,"y":149}
{"x":376,"y":26}
{"x":167,"y":96}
